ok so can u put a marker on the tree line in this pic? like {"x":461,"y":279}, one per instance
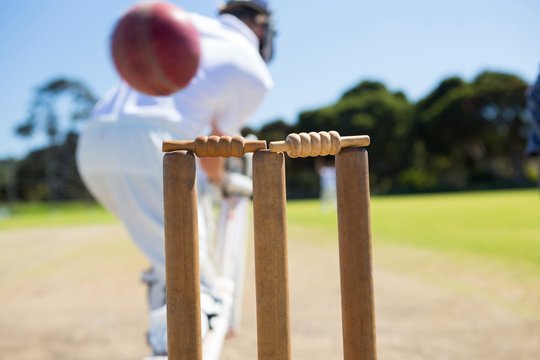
{"x":462,"y":135}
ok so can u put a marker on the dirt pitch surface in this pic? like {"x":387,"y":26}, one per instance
{"x":74,"y":293}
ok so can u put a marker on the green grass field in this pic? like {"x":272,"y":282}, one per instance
{"x":50,"y":215}
{"x":449,"y":269}
{"x":498,"y":225}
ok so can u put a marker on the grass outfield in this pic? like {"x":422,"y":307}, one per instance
{"x":52,"y":215}
{"x":500,"y":225}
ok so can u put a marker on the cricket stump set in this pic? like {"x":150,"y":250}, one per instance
{"x":271,"y":264}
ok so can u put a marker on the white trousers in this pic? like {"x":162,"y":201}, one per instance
{"x":121,"y":164}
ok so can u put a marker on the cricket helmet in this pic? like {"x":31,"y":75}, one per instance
{"x":266,"y":44}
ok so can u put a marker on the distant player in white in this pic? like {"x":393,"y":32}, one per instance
{"x":119,"y":153}
{"x":327,"y":179}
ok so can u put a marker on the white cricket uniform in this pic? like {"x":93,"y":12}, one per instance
{"x":119,"y":153}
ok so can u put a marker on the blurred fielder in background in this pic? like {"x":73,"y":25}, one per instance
{"x":327,"y":183}
{"x":119,"y":153}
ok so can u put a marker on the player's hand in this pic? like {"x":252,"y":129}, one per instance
{"x":214,"y":168}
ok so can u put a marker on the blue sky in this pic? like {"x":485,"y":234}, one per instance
{"x":323,"y":48}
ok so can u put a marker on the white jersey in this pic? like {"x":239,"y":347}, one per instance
{"x":230,"y":83}
{"x":119,"y":151}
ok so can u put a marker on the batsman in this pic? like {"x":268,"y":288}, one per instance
{"x":119,"y":153}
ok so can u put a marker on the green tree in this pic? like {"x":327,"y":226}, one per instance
{"x":57,"y":97}
{"x":32,"y":173}
{"x":474,"y":133}
{"x":8,"y":183}
{"x":501,"y":100}
{"x":387,"y":117}
{"x":463,"y":134}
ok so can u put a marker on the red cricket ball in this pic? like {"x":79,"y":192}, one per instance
{"x":156,"y":48}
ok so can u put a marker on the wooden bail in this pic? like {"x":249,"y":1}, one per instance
{"x":317,"y":143}
{"x":215,"y":146}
